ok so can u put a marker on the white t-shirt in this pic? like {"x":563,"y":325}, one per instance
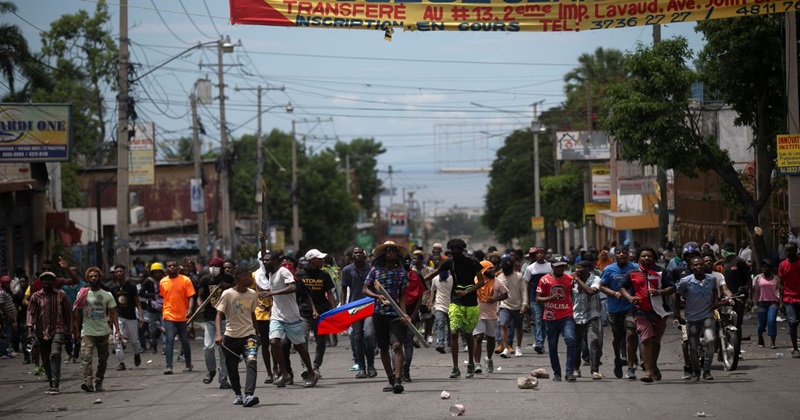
{"x":284,"y":307}
{"x":536,"y":268}
{"x":443,"y":290}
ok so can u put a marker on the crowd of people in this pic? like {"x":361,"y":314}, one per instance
{"x":447,"y":297}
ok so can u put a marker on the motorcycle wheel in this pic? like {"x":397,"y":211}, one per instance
{"x":730,"y":349}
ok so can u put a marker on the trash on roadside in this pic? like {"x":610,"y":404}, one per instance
{"x":457,"y":410}
{"x":98,"y":401}
{"x":445,"y":395}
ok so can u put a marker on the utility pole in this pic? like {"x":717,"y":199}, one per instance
{"x":391,"y":187}
{"x":123,"y":194}
{"x":262,"y":202}
{"x":793,"y":108}
{"x":225,"y":232}
{"x":536,"y":126}
{"x":661,"y":175}
{"x":202,"y":226}
{"x":295,"y":211}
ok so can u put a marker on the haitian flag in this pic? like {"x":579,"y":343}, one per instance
{"x":339,"y":319}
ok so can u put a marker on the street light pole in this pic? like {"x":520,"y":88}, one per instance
{"x":225,"y":231}
{"x":537,"y":199}
{"x":295,"y":211}
{"x":202,"y":226}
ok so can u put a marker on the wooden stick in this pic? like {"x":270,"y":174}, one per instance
{"x":203,"y":305}
{"x":379,"y":288}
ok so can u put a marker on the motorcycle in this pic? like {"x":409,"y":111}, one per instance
{"x":727,"y":334}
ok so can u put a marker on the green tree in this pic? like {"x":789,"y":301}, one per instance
{"x":365,"y":183}
{"x":181,"y":150}
{"x":327,"y":213}
{"x":509,"y":194}
{"x":655,"y":122}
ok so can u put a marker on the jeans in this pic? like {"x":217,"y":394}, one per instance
{"x":320,"y":340}
{"x":208,"y":350}
{"x":565,"y":327}
{"x":88,"y":344}
{"x":539,"y":326}
{"x":701,"y":333}
{"x":51,"y":358}
{"x":363,"y":342}
{"x":408,"y":350}
{"x":592,"y":333}
{"x":129,"y":331}
{"x":442,"y":326}
{"x":512,"y":318}
{"x":179,"y":327}
{"x":793,"y":316}
{"x":5,"y":343}
{"x":246,"y":347}
{"x":768,"y":318}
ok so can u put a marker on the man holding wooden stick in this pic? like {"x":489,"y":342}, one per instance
{"x":390,"y":324}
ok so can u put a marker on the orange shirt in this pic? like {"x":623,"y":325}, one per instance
{"x":176,"y":293}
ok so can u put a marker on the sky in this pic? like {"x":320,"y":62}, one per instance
{"x":435,"y":100}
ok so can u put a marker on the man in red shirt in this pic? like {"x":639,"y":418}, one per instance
{"x":555,"y":292}
{"x":648,"y":284}
{"x":789,"y":273}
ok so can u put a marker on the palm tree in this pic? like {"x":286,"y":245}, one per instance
{"x":16,"y":57}
{"x":596,"y":71}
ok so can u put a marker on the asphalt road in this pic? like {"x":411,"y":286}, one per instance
{"x":763,"y":387}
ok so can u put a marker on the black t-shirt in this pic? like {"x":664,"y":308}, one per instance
{"x":737,"y":274}
{"x":125,"y":296}
{"x":148,"y":294}
{"x":317,"y":283}
{"x":207,"y":282}
{"x":465,"y":269}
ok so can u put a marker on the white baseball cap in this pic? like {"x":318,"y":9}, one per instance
{"x":314,"y":253}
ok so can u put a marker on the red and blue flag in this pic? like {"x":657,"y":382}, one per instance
{"x":339,"y":319}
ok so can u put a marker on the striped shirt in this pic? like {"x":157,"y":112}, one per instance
{"x":50,"y":313}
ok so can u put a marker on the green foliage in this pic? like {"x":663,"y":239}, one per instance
{"x":563,"y":195}
{"x":365,"y":183}
{"x":17,"y":59}
{"x":509,"y":195}
{"x":70,"y":185}
{"x":327,"y":213}
{"x":182,"y":150}
{"x":587,"y":85}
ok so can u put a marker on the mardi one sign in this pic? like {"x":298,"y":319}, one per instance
{"x":494,"y":15}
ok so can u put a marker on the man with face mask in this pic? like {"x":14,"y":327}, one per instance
{"x":513,"y":309}
{"x":153,"y":304}
{"x":213,"y":283}
{"x":49,"y":310}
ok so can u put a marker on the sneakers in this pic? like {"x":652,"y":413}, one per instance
{"x":371,"y":372}
{"x":499,"y":349}
{"x":361,"y":374}
{"x":121,"y":367}
{"x":188,"y":368}
{"x":687,"y":373}
{"x":577,"y":373}
{"x":225,"y":385}
{"x":796,"y":354}
{"x":707,"y":376}
{"x":52,"y":391}
{"x":538,"y":349}
{"x":87,"y":386}
{"x":456,"y":373}
{"x":355,"y":368}
{"x":618,"y":368}
{"x":209,"y":377}
{"x":489,"y":365}
{"x":478,"y":368}
{"x":505,"y":353}
{"x":597,"y":376}
{"x":518,"y":352}
{"x":571,"y":377}
{"x":631,"y":374}
{"x":168,"y":371}
{"x":250,"y":401}
{"x":38,"y":370}
{"x":98,"y":387}
{"x":398,"y":386}
{"x":470,"y":371}
{"x":137,"y":360}
{"x":441,"y":350}
{"x":238,"y":400}
{"x":556,"y":378}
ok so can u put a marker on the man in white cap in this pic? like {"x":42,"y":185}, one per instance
{"x":320,"y":287}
